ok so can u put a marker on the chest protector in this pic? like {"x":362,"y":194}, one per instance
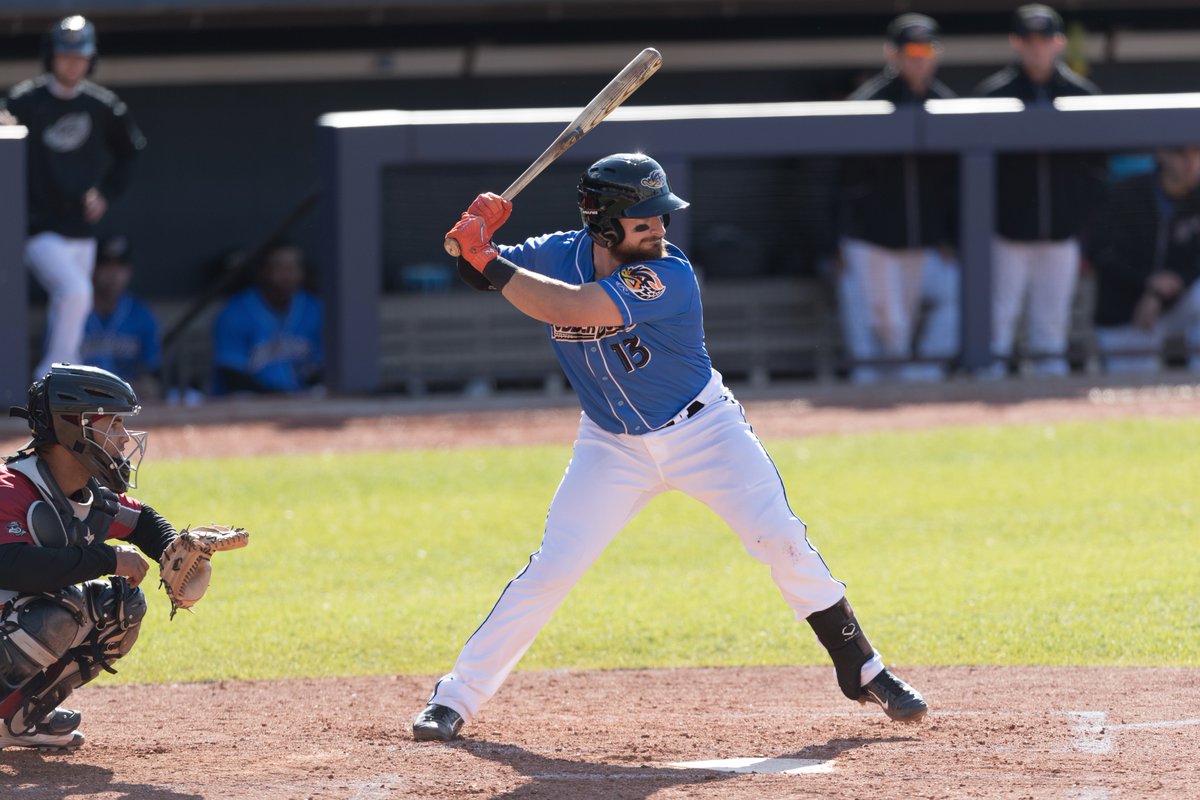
{"x":53,"y":521}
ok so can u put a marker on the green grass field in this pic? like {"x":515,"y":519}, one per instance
{"x":1057,"y":544}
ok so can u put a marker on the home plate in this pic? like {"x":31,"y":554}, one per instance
{"x":785,"y":766}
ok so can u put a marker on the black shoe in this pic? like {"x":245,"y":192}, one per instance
{"x":60,"y":722}
{"x":437,"y":723}
{"x":900,"y":701}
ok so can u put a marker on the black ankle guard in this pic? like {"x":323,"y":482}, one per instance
{"x":839,"y":631}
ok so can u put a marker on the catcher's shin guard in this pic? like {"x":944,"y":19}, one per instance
{"x":839,"y":631}
{"x":36,"y":630}
{"x":108,"y":614}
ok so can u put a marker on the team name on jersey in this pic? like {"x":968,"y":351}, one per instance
{"x":584,"y":333}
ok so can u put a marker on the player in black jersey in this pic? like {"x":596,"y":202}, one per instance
{"x":81,"y":147}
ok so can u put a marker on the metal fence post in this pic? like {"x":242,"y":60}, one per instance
{"x":14,"y":292}
{"x":977,"y":227}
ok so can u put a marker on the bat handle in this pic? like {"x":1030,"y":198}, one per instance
{"x":451,"y":246}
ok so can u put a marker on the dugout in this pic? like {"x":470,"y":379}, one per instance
{"x":228,"y":94}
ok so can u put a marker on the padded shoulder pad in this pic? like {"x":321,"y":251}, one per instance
{"x":45,"y":525}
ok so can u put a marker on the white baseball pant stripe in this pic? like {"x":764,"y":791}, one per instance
{"x":716,"y":458}
{"x":1040,"y":278}
{"x":64,"y":269}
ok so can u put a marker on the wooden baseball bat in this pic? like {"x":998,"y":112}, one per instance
{"x":627,"y":81}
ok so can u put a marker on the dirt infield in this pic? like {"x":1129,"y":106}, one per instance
{"x":1063,"y":733}
{"x":1067,"y":734}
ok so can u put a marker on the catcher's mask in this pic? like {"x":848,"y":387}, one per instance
{"x":83,"y":409}
{"x":629,"y":185}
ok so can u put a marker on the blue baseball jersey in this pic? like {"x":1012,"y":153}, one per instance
{"x":125,"y":342}
{"x":636,"y":377}
{"x":277,"y":350}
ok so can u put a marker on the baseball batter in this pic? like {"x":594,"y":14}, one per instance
{"x":624,"y":317}
{"x":80,"y":152}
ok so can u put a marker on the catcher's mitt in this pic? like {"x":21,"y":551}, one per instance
{"x":184,"y":569}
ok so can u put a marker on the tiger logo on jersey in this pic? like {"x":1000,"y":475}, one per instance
{"x":642,"y":282}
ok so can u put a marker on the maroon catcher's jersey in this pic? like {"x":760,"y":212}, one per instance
{"x":17,"y":494}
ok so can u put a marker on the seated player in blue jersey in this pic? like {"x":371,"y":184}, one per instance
{"x":623,"y":313}
{"x":121,"y":334}
{"x":267,"y":339}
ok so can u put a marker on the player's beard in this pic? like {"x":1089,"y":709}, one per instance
{"x":631,"y":252}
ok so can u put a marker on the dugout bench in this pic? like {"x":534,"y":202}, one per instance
{"x":759,"y":330}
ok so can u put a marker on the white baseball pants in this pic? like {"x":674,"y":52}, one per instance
{"x":64,"y":269}
{"x":941,"y":291}
{"x":880,"y":294}
{"x":1118,"y":344}
{"x":716,"y":458}
{"x":1040,"y":278}
{"x":890,"y":282}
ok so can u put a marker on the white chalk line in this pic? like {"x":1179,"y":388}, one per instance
{"x":1091,"y":734}
{"x":1092,"y":729}
{"x":1088,"y":793}
{"x":744,"y":766}
{"x":1169,"y":723}
{"x":380,"y":787}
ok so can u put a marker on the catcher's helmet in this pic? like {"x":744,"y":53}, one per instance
{"x":629,"y":185}
{"x":62,"y":409}
{"x":70,"y":35}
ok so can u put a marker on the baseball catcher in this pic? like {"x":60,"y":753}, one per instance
{"x":71,"y":602}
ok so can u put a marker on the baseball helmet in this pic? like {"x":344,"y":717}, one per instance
{"x":70,"y":35}
{"x":629,"y":185}
{"x":63,"y":408}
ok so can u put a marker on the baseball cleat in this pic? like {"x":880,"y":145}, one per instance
{"x":59,"y":722}
{"x":899,"y":701}
{"x":39,"y":740}
{"x":437,"y":723}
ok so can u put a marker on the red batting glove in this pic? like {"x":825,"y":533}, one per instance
{"x":473,"y":240}
{"x":494,"y":210}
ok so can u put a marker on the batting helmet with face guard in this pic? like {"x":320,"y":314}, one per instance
{"x":629,"y":185}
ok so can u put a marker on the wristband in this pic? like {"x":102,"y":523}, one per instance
{"x":499,"y":272}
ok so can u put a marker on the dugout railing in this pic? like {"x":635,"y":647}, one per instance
{"x":356,"y":148}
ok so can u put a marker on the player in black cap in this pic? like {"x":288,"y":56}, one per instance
{"x":1042,"y":202}
{"x":899,"y":223}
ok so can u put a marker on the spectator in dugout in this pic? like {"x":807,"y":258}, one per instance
{"x":121,"y":334}
{"x":267,"y":339}
{"x":898,"y":229}
{"x":1042,"y":202}
{"x":1144,"y":246}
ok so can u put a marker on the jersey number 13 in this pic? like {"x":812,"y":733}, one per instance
{"x":632,"y":352}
